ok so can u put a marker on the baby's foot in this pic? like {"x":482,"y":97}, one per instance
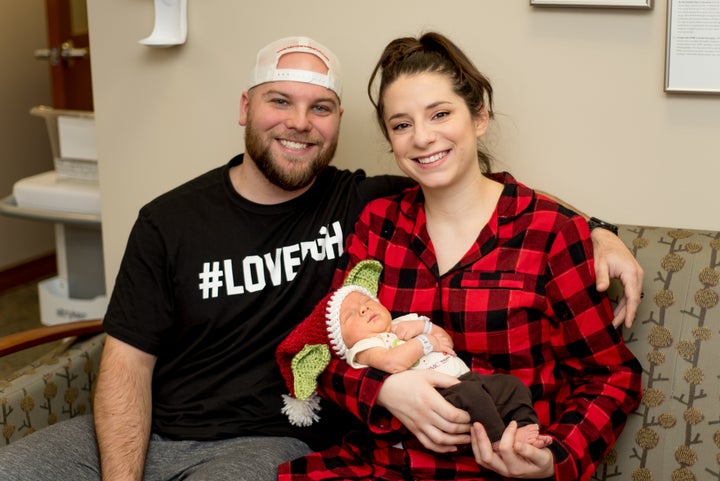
{"x":530,"y":434}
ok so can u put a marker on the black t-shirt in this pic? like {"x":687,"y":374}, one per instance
{"x":210,"y":283}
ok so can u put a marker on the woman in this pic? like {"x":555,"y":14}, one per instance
{"x":507,"y":272}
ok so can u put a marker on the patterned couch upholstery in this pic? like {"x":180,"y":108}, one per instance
{"x":674,"y":435}
{"x":56,"y":387}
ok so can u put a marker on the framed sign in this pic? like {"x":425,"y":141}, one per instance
{"x":692,"y":61}
{"x":593,"y":3}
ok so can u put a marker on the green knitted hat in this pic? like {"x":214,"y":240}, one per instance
{"x":365,"y":274}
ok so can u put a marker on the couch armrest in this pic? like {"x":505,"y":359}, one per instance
{"x":34,"y":337}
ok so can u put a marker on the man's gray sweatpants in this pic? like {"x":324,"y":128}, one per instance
{"x":68,"y":451}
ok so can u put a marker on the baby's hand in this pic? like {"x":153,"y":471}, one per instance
{"x":408,"y":329}
{"x":441,"y":344}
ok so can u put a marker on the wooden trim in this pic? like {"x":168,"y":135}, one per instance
{"x":41,"y":335}
{"x":33,"y":270}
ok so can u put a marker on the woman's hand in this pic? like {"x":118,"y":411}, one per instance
{"x":412,"y":398}
{"x":511,"y":459}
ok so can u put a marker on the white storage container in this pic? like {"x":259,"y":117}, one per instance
{"x":56,"y":307}
{"x":72,"y":141}
{"x":53,"y":192}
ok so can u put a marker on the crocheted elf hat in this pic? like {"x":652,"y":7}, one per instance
{"x":305,"y":353}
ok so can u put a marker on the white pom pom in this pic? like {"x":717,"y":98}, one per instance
{"x":301,"y":412}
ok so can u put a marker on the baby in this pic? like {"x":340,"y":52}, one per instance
{"x":362,"y":332}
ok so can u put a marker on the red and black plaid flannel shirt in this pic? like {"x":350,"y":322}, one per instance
{"x":522,"y":301}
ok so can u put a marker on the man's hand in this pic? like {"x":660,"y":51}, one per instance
{"x":412,"y":398}
{"x":613,"y":260}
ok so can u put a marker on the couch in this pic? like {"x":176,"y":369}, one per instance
{"x":673,"y":435}
{"x":58,"y":385}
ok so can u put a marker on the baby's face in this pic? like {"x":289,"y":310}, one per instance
{"x":362,"y":317}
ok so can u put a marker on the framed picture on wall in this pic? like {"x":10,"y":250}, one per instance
{"x":692,"y":63}
{"x":593,"y":3}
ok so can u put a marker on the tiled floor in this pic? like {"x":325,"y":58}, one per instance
{"x":19,"y":311}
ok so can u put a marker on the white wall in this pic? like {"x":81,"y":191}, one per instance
{"x":24,"y":144}
{"x":579,"y":97}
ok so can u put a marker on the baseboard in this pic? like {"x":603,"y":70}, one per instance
{"x":32,"y":270}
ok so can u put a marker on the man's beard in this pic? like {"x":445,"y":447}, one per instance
{"x":260,"y":152}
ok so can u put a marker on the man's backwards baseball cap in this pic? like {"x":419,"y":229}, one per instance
{"x":267,"y":59}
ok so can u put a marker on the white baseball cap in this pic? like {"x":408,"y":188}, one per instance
{"x":266,"y":70}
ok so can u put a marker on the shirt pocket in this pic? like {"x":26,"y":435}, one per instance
{"x":492,"y":280}
{"x":494,"y":312}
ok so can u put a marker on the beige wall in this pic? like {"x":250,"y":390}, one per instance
{"x":24,"y":144}
{"x":580,"y":102}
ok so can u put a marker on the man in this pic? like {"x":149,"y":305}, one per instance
{"x":216,"y":273}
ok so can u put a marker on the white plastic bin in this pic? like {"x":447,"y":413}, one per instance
{"x":53,"y":192}
{"x":56,"y":307}
{"x":72,"y":141}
